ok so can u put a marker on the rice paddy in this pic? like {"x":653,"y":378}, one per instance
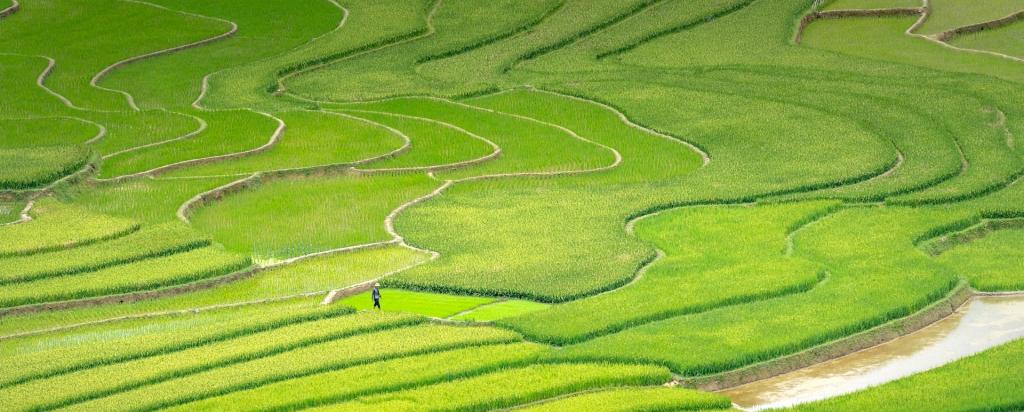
{"x":564,"y":204}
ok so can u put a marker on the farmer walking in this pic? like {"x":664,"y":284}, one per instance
{"x":376,"y":296}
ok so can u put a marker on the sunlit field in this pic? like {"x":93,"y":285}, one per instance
{"x":600,"y":205}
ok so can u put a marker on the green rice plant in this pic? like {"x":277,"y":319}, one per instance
{"x":144,"y":200}
{"x":102,"y":380}
{"x":632,"y":399}
{"x":174,"y":80}
{"x":338,"y":354}
{"x":310,"y":277}
{"x":38,"y":132}
{"x":1006,"y":40}
{"x":459,"y":27}
{"x":30,"y":168}
{"x":147,"y":243}
{"x":510,"y":387}
{"x":59,"y":226}
{"x":877,"y":275}
{"x":378,"y":377}
{"x":990,"y":263}
{"x":312,"y":139}
{"x":526,"y":146}
{"x":853,"y":37}
{"x":22,"y":97}
{"x":704,"y":249}
{"x":433,"y":144}
{"x":43,"y":355}
{"x":869,"y":4}
{"x":426,"y":304}
{"x":368,"y":23}
{"x":228,"y":132}
{"x":282,"y":218}
{"x":501,"y":309}
{"x":130,"y":130}
{"x":10,"y":211}
{"x":180,"y":268}
{"x":946,"y":14}
{"x":986,"y":381}
{"x":99,"y":41}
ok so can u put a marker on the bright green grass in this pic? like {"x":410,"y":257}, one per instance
{"x":869,"y":4}
{"x":705,"y":248}
{"x":193,"y":265}
{"x":35,"y":167}
{"x":312,"y":139}
{"x":1007,"y":40}
{"x":376,"y":377}
{"x":491,"y":392}
{"x":60,"y":226}
{"x":98,"y":41}
{"x":119,"y":375}
{"x":991,"y":263}
{"x":292,"y":217}
{"x":500,"y":310}
{"x":55,"y":131}
{"x":335,"y":354}
{"x":427,"y":304}
{"x":148,"y":242}
{"x":987,"y":381}
{"x":632,"y":399}
{"x":950,"y":14}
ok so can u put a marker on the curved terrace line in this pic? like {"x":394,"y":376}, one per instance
{"x":94,"y":82}
{"x":205,"y":82}
{"x":495,"y":149}
{"x":274,"y":139}
{"x":14,"y":7}
{"x":401,"y":39}
{"x":202,"y":127}
{"x":704,"y":155}
{"x":700,"y":21}
{"x":284,"y":172}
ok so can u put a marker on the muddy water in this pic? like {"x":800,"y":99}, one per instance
{"x":981,"y":323}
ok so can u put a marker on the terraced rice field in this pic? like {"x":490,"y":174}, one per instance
{"x":598,"y":205}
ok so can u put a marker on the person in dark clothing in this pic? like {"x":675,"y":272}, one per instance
{"x":376,"y":295}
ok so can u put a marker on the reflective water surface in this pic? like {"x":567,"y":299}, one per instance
{"x":981,"y":323}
